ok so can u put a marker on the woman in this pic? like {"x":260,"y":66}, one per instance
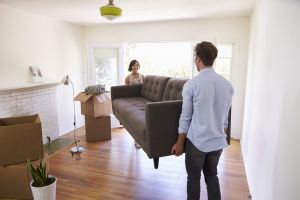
{"x":134,"y":78}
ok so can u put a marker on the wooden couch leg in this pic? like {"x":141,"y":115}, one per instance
{"x":155,"y":160}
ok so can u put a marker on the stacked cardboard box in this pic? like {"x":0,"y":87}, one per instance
{"x":20,"y":139}
{"x":97,"y":110}
{"x":15,"y":180}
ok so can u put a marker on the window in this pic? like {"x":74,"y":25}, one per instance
{"x":165,"y":59}
{"x":223,"y":62}
{"x":106,"y":66}
{"x":104,"y":63}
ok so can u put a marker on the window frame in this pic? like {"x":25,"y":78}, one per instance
{"x":121,"y":47}
{"x":91,"y":76}
{"x":235,"y":45}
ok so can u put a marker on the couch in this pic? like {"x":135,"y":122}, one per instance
{"x":150,"y":113}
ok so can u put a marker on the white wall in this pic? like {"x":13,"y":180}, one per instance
{"x":233,"y":29}
{"x":271,"y":122}
{"x":55,"y":47}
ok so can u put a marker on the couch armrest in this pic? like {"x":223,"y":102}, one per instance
{"x":124,"y":91}
{"x":162,"y":119}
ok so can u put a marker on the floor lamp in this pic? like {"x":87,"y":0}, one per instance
{"x":77,"y":149}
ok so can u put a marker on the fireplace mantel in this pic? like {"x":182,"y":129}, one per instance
{"x":27,"y":86}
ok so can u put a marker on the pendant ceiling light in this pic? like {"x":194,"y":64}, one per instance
{"x":110,"y":11}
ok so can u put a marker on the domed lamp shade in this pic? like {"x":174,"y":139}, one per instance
{"x":110,"y":11}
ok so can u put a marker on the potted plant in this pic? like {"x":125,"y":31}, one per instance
{"x":43,"y":185}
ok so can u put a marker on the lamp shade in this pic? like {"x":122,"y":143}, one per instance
{"x":110,"y":11}
{"x":65,"y":80}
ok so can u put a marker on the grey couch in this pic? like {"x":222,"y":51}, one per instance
{"x":150,"y":113}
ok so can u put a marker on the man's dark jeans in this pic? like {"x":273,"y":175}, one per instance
{"x":195,"y":161}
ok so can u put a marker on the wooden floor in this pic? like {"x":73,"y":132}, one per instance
{"x":115,"y":169}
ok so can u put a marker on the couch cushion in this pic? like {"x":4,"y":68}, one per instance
{"x":132,"y":110}
{"x":173,"y":89}
{"x":153,"y":87}
{"x":125,"y":104}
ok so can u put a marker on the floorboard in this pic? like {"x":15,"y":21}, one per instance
{"x":115,"y":169}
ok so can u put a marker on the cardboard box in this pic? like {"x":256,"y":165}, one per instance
{"x":15,"y":180}
{"x":97,"y":129}
{"x":95,"y":105}
{"x":20,"y":139}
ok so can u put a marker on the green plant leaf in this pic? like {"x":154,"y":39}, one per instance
{"x":39,"y":174}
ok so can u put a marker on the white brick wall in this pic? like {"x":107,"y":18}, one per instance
{"x":34,"y":100}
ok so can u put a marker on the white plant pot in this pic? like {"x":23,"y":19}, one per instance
{"x":44,"y":193}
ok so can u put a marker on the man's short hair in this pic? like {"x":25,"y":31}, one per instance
{"x":207,"y":52}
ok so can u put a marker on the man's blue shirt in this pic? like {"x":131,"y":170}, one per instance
{"x":206,"y":102}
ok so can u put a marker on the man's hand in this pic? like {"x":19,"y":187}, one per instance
{"x":177,"y":148}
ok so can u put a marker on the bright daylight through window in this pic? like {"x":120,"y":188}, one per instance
{"x":224,"y":60}
{"x":165,"y":59}
{"x":105,"y":62}
{"x":175,"y":59}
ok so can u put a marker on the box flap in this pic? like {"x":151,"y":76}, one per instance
{"x":103,"y":97}
{"x":20,"y":139}
{"x":83,"y":97}
{"x":10,"y":121}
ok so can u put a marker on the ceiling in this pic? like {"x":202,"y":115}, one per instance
{"x":86,"y":12}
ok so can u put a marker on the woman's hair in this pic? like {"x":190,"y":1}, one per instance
{"x":207,"y":52}
{"x":133,"y":62}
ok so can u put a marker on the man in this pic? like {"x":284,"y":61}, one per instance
{"x":203,"y":121}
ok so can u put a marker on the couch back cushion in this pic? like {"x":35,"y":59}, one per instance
{"x":173,"y":89}
{"x":153,"y":87}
